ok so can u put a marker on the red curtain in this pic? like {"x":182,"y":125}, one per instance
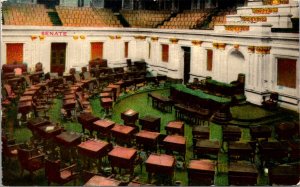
{"x":97,"y":50}
{"x":209,"y":60}
{"x":126,"y":49}
{"x":165,"y":53}
{"x":14,"y":53}
{"x":286,"y":72}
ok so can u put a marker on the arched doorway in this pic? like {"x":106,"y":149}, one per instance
{"x":236,"y":65}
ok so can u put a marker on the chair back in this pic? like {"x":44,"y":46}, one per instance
{"x":28,"y":81}
{"x":8,"y":89}
{"x":23,"y":157}
{"x":77,"y":77}
{"x":72,"y":71}
{"x":52,"y":169}
{"x":38,"y":67}
{"x":86,"y":75}
{"x":274,"y":96}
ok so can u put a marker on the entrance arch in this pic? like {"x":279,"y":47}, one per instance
{"x":236,"y":65}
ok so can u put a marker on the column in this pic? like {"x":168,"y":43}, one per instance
{"x":261,"y":55}
{"x":175,"y":57}
{"x":250,"y":68}
{"x":223,"y":66}
{"x":196,"y":55}
{"x":140,"y":47}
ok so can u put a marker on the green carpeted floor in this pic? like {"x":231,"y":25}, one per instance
{"x":140,"y":103}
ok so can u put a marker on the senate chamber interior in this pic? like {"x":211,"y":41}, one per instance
{"x":150,"y":92}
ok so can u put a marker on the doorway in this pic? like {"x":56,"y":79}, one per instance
{"x":236,"y":65}
{"x":187,"y":64}
{"x":58,"y":58}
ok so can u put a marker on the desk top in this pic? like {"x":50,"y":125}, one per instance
{"x":161,"y":160}
{"x":150,"y":118}
{"x":272,"y":146}
{"x":159,"y":97}
{"x":93,"y":145}
{"x":87,"y":117}
{"x":105,"y":123}
{"x":69,"y":101}
{"x":68,"y":137}
{"x":106,"y":100}
{"x":240,"y":167}
{"x":29,"y":92}
{"x":239,"y":146}
{"x":130,"y":112}
{"x":175,"y":139}
{"x":24,"y":104}
{"x":37,"y":122}
{"x":259,"y":129}
{"x":50,"y":129}
{"x":200,"y":129}
{"x":101,"y":181}
{"x":25,"y":98}
{"x":231,"y":129}
{"x":208,"y":144}
{"x":203,"y":164}
{"x":200,"y":93}
{"x":285,"y":170}
{"x":122,"y":129}
{"x":175,"y":124}
{"x":148,"y":134}
{"x":123,"y":152}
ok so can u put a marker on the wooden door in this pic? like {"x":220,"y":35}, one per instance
{"x":58,"y":58}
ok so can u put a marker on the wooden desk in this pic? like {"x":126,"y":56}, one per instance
{"x":160,"y":164}
{"x":242,"y":174}
{"x":284,"y":175}
{"x":207,"y":147}
{"x":240,"y":150}
{"x":150,"y":123}
{"x":122,"y":157}
{"x":87,"y":120}
{"x":162,"y":103}
{"x":103,"y":126}
{"x":116,"y":90}
{"x":69,"y":104}
{"x":294,"y":150}
{"x":24,"y":108}
{"x":200,"y":132}
{"x":285,"y":130}
{"x":231,"y":133}
{"x":201,"y":172}
{"x":272,"y":151}
{"x":122,"y":133}
{"x":175,"y":127}
{"x":175,"y":143}
{"x":25,"y":98}
{"x":94,"y":148}
{"x":29,"y":92}
{"x":106,"y":103}
{"x":68,"y":139}
{"x":49,"y":131}
{"x":147,"y":139}
{"x":129,"y":116}
{"x":102,"y":181}
{"x":260,"y":132}
{"x":36,"y":122}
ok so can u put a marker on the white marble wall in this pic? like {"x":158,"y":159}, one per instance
{"x":259,"y":67}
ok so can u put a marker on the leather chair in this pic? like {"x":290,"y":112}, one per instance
{"x":30,"y":160}
{"x":9,"y":148}
{"x":270,"y":100}
{"x":54,"y":172}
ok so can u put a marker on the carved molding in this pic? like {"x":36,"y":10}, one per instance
{"x":254,"y":19}
{"x":219,"y":45}
{"x":140,"y":37}
{"x":174,"y":40}
{"x":237,"y":28}
{"x":262,"y":49}
{"x":264,"y":10}
{"x":154,"y":38}
{"x":251,"y":49}
{"x":196,"y":42}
